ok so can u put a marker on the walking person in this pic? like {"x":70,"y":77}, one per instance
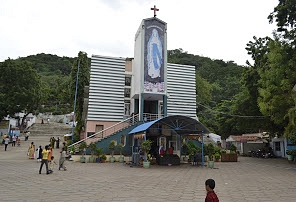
{"x":6,"y":142}
{"x":39,"y":153}
{"x":51,"y":164}
{"x":31,"y":150}
{"x":52,"y":142}
{"x":58,"y":143}
{"x":13,"y":140}
{"x":18,"y":140}
{"x":44,"y":160}
{"x":50,"y":152}
{"x":211,"y":195}
{"x":62,"y":159}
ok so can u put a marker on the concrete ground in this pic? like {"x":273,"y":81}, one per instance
{"x":250,"y":179}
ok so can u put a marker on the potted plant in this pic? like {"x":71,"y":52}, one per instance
{"x":145,"y":147}
{"x":232,"y":148}
{"x":103,"y":158}
{"x":229,"y":155}
{"x":82,"y":148}
{"x":185,"y":151}
{"x":211,"y":150}
{"x":98,"y":153}
{"x":93,"y":148}
{"x":119,"y":147}
{"x":293,"y":153}
{"x":289,"y":155}
{"x":72,"y":149}
{"x":192,"y":150}
{"x":112,"y":147}
{"x":217,"y":157}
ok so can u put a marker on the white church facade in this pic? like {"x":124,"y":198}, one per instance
{"x":145,"y":85}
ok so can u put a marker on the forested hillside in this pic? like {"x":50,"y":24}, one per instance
{"x":217,"y":83}
{"x":54,"y":72}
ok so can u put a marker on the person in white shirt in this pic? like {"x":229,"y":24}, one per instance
{"x":6,"y":141}
{"x":13,"y":140}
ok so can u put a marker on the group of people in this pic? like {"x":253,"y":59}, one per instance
{"x":45,"y":156}
{"x":48,"y":159}
{"x":6,"y":140}
{"x":53,"y":141}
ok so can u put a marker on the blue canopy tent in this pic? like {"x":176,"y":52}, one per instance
{"x":181,"y":125}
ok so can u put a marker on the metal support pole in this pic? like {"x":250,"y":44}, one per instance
{"x":74,"y":115}
{"x":202,"y":150}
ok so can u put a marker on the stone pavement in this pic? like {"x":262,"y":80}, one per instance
{"x":250,"y":179}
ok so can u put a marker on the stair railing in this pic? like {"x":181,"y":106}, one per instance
{"x":118,"y":126}
{"x":110,"y":130}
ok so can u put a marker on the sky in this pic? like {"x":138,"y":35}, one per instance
{"x":218,"y":29}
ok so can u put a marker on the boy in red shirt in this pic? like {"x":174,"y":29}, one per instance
{"x":211,"y":195}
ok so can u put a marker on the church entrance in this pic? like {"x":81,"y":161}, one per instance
{"x":151,"y":107}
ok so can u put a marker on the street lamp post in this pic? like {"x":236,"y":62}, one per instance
{"x":202,"y":150}
{"x":74,"y":115}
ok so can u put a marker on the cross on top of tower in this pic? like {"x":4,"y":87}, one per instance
{"x":155,"y":9}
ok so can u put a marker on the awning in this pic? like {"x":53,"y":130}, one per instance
{"x":67,"y":135}
{"x":183,"y":125}
{"x":143,"y":127}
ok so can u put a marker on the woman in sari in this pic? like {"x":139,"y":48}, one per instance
{"x":62,"y":160}
{"x":31,"y":150}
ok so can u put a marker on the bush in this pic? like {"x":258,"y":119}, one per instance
{"x":217,"y":156}
{"x":211,"y":150}
{"x":293,"y":153}
{"x":82,"y":146}
{"x":99,"y":152}
{"x":93,"y":148}
{"x":289,"y":152}
{"x":185,"y":148}
{"x":112,"y":147}
{"x":192,"y":148}
{"x":119,"y":147}
{"x":217,"y":150}
{"x":232,"y":148}
{"x":104,"y":157}
{"x":223,"y":151}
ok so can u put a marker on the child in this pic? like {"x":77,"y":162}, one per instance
{"x":51,"y":165}
{"x":211,"y":195}
{"x":18,"y":142}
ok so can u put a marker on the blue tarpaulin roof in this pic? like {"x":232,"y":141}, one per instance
{"x":143,"y":127}
{"x":182,"y":124}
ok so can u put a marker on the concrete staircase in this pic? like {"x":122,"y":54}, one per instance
{"x":49,"y":129}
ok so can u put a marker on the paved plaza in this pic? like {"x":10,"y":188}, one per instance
{"x":250,"y":179}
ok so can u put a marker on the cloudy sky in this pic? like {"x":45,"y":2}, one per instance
{"x":219,"y":29}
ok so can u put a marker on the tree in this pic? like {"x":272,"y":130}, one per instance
{"x":54,"y":72}
{"x":284,"y":14}
{"x":83,"y":80}
{"x":20,"y":88}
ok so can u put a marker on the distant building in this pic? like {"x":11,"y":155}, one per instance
{"x":248,"y":142}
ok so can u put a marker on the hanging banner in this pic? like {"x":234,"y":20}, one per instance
{"x":154,"y":56}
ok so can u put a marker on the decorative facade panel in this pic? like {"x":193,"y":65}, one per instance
{"x":106,"y":89}
{"x":181,"y":90}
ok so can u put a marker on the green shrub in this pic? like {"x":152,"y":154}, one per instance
{"x":104,"y":157}
{"x":293,"y":153}
{"x":217,"y":156}
{"x":211,"y":150}
{"x":232,"y":147}
{"x":289,"y":152}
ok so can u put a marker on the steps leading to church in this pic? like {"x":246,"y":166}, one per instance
{"x":49,"y":129}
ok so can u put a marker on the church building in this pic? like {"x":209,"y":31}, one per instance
{"x":141,"y":89}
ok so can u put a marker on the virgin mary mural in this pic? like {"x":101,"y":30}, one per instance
{"x":154,"y":55}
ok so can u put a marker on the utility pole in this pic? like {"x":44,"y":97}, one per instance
{"x":74,"y":115}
